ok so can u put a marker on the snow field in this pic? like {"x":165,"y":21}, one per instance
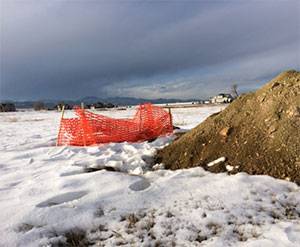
{"x":47,"y":192}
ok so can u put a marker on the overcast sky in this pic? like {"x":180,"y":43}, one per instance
{"x":152,"y":49}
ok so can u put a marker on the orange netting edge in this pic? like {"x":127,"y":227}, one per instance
{"x":88,"y":128}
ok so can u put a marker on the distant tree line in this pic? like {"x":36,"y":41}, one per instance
{"x":7,"y":107}
{"x":100,"y":105}
{"x":39,"y":105}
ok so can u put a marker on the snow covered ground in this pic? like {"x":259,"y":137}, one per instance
{"x":53,"y":195}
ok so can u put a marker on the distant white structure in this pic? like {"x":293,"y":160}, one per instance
{"x":222,"y":98}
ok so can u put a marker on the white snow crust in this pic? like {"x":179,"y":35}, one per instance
{"x":47,"y":191}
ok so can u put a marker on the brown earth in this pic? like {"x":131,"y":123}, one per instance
{"x":259,"y":133}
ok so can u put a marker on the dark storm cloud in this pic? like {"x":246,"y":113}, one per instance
{"x":54,"y":49}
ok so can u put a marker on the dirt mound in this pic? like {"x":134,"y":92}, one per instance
{"x":259,"y":133}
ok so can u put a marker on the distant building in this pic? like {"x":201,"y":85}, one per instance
{"x":7,"y":107}
{"x":199,"y":102}
{"x":222,"y":98}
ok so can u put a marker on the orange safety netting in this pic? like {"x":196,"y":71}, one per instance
{"x":89,"y":128}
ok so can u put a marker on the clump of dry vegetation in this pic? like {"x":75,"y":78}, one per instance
{"x":73,"y":238}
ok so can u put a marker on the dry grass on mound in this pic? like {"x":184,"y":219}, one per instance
{"x":259,"y":133}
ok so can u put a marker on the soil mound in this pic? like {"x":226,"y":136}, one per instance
{"x":259,"y":133}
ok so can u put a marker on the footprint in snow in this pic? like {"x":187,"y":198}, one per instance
{"x":59,"y":199}
{"x":90,"y":170}
{"x":140,"y":185}
{"x":71,"y":173}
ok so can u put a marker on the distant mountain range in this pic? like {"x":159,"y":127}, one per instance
{"x":130,"y":100}
{"x":122,"y":101}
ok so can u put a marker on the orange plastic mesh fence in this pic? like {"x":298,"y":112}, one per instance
{"x":89,"y":128}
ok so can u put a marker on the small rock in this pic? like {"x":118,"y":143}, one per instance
{"x":225,"y":131}
{"x":261,"y":98}
{"x":272,"y":129}
{"x":297,"y":164}
{"x":275,"y":84}
{"x":267,"y":119}
{"x":293,"y":112}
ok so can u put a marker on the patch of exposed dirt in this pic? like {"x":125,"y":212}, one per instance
{"x":259,"y":133}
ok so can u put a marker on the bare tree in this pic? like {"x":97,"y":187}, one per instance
{"x":37,"y":106}
{"x":234,"y":90}
{"x":7,"y":107}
